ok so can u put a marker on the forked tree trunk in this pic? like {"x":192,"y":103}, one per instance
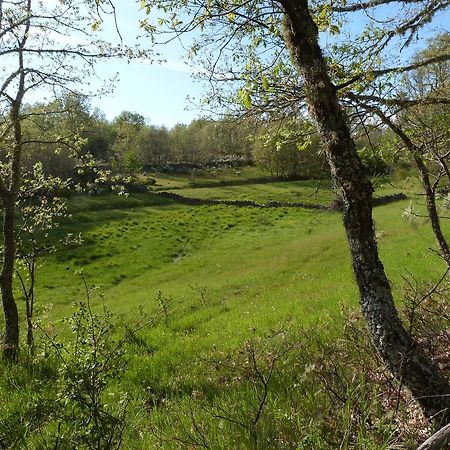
{"x":11,"y":339}
{"x":396,"y":348}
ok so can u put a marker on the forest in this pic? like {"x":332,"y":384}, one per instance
{"x":273,"y":274}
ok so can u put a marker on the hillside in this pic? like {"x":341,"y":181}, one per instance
{"x":214,"y":278}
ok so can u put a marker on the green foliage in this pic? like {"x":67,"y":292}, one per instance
{"x":126,"y":145}
{"x":40,"y":211}
{"x":91,"y":410}
{"x":374,"y":159}
{"x":63,"y":131}
{"x":69,"y":394}
{"x":205,"y":140}
{"x":289,"y":150}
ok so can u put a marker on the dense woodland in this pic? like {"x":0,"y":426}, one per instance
{"x":129,"y":144}
{"x":205,"y":298}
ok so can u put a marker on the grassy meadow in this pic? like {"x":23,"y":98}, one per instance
{"x":215,"y":278}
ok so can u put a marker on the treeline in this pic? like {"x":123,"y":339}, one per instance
{"x":62,"y":133}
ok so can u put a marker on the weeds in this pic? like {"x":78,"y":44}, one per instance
{"x":70,"y":393}
{"x":202,"y":292}
{"x":290,"y":389}
{"x":164,"y":304}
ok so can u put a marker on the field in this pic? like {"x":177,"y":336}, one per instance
{"x":215,"y":276}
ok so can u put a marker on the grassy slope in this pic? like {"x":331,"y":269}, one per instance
{"x":289,"y":191}
{"x":226,"y":270}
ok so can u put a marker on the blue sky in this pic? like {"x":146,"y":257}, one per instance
{"x":158,"y":91}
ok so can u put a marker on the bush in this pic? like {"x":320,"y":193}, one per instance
{"x":70,"y":393}
{"x":91,"y":405}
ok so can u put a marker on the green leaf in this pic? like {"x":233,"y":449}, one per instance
{"x":247,"y":100}
{"x":95,"y":26}
{"x":301,"y":146}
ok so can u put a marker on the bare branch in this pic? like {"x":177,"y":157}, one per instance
{"x":399,"y":69}
{"x":438,"y":440}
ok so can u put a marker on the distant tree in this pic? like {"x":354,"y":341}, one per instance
{"x":130,"y":118}
{"x":224,"y":137}
{"x":154,"y":147}
{"x":289,"y":149}
{"x":235,"y":136}
{"x":82,"y":132}
{"x":78,"y":118}
{"x":375,"y":148}
{"x":188,"y":143}
{"x":127,"y":142}
{"x":99,"y":135}
{"x":178,"y":142}
{"x":206,"y":139}
{"x":40,"y":130}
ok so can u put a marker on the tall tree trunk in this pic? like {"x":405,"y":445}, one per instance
{"x":9,"y":196}
{"x":11,"y":339}
{"x":393,"y":343}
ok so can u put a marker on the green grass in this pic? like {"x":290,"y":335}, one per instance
{"x":225,"y":275}
{"x":318,"y":192}
{"x":209,"y":177}
{"x":257,"y":268}
{"x":260,"y":188}
{"x":272,"y":258}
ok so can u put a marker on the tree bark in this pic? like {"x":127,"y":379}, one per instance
{"x":439,"y":440}
{"x":396,"y":348}
{"x":9,"y":196}
{"x":430,"y":196}
{"x":11,"y":339}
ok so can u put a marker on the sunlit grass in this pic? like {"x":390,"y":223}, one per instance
{"x":221,"y":275}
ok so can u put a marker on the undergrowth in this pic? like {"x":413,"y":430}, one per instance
{"x":286,"y":389}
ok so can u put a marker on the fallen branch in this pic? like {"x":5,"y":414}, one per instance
{"x":438,"y":441}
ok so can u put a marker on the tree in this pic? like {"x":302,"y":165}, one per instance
{"x":295,"y":25}
{"x":70,"y":117}
{"x":126,"y":146}
{"x":41,"y":209}
{"x":154,"y":145}
{"x":392,"y":341}
{"x":426,"y":128}
{"x":289,"y":149}
{"x":45,"y":49}
{"x":418,"y":114}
